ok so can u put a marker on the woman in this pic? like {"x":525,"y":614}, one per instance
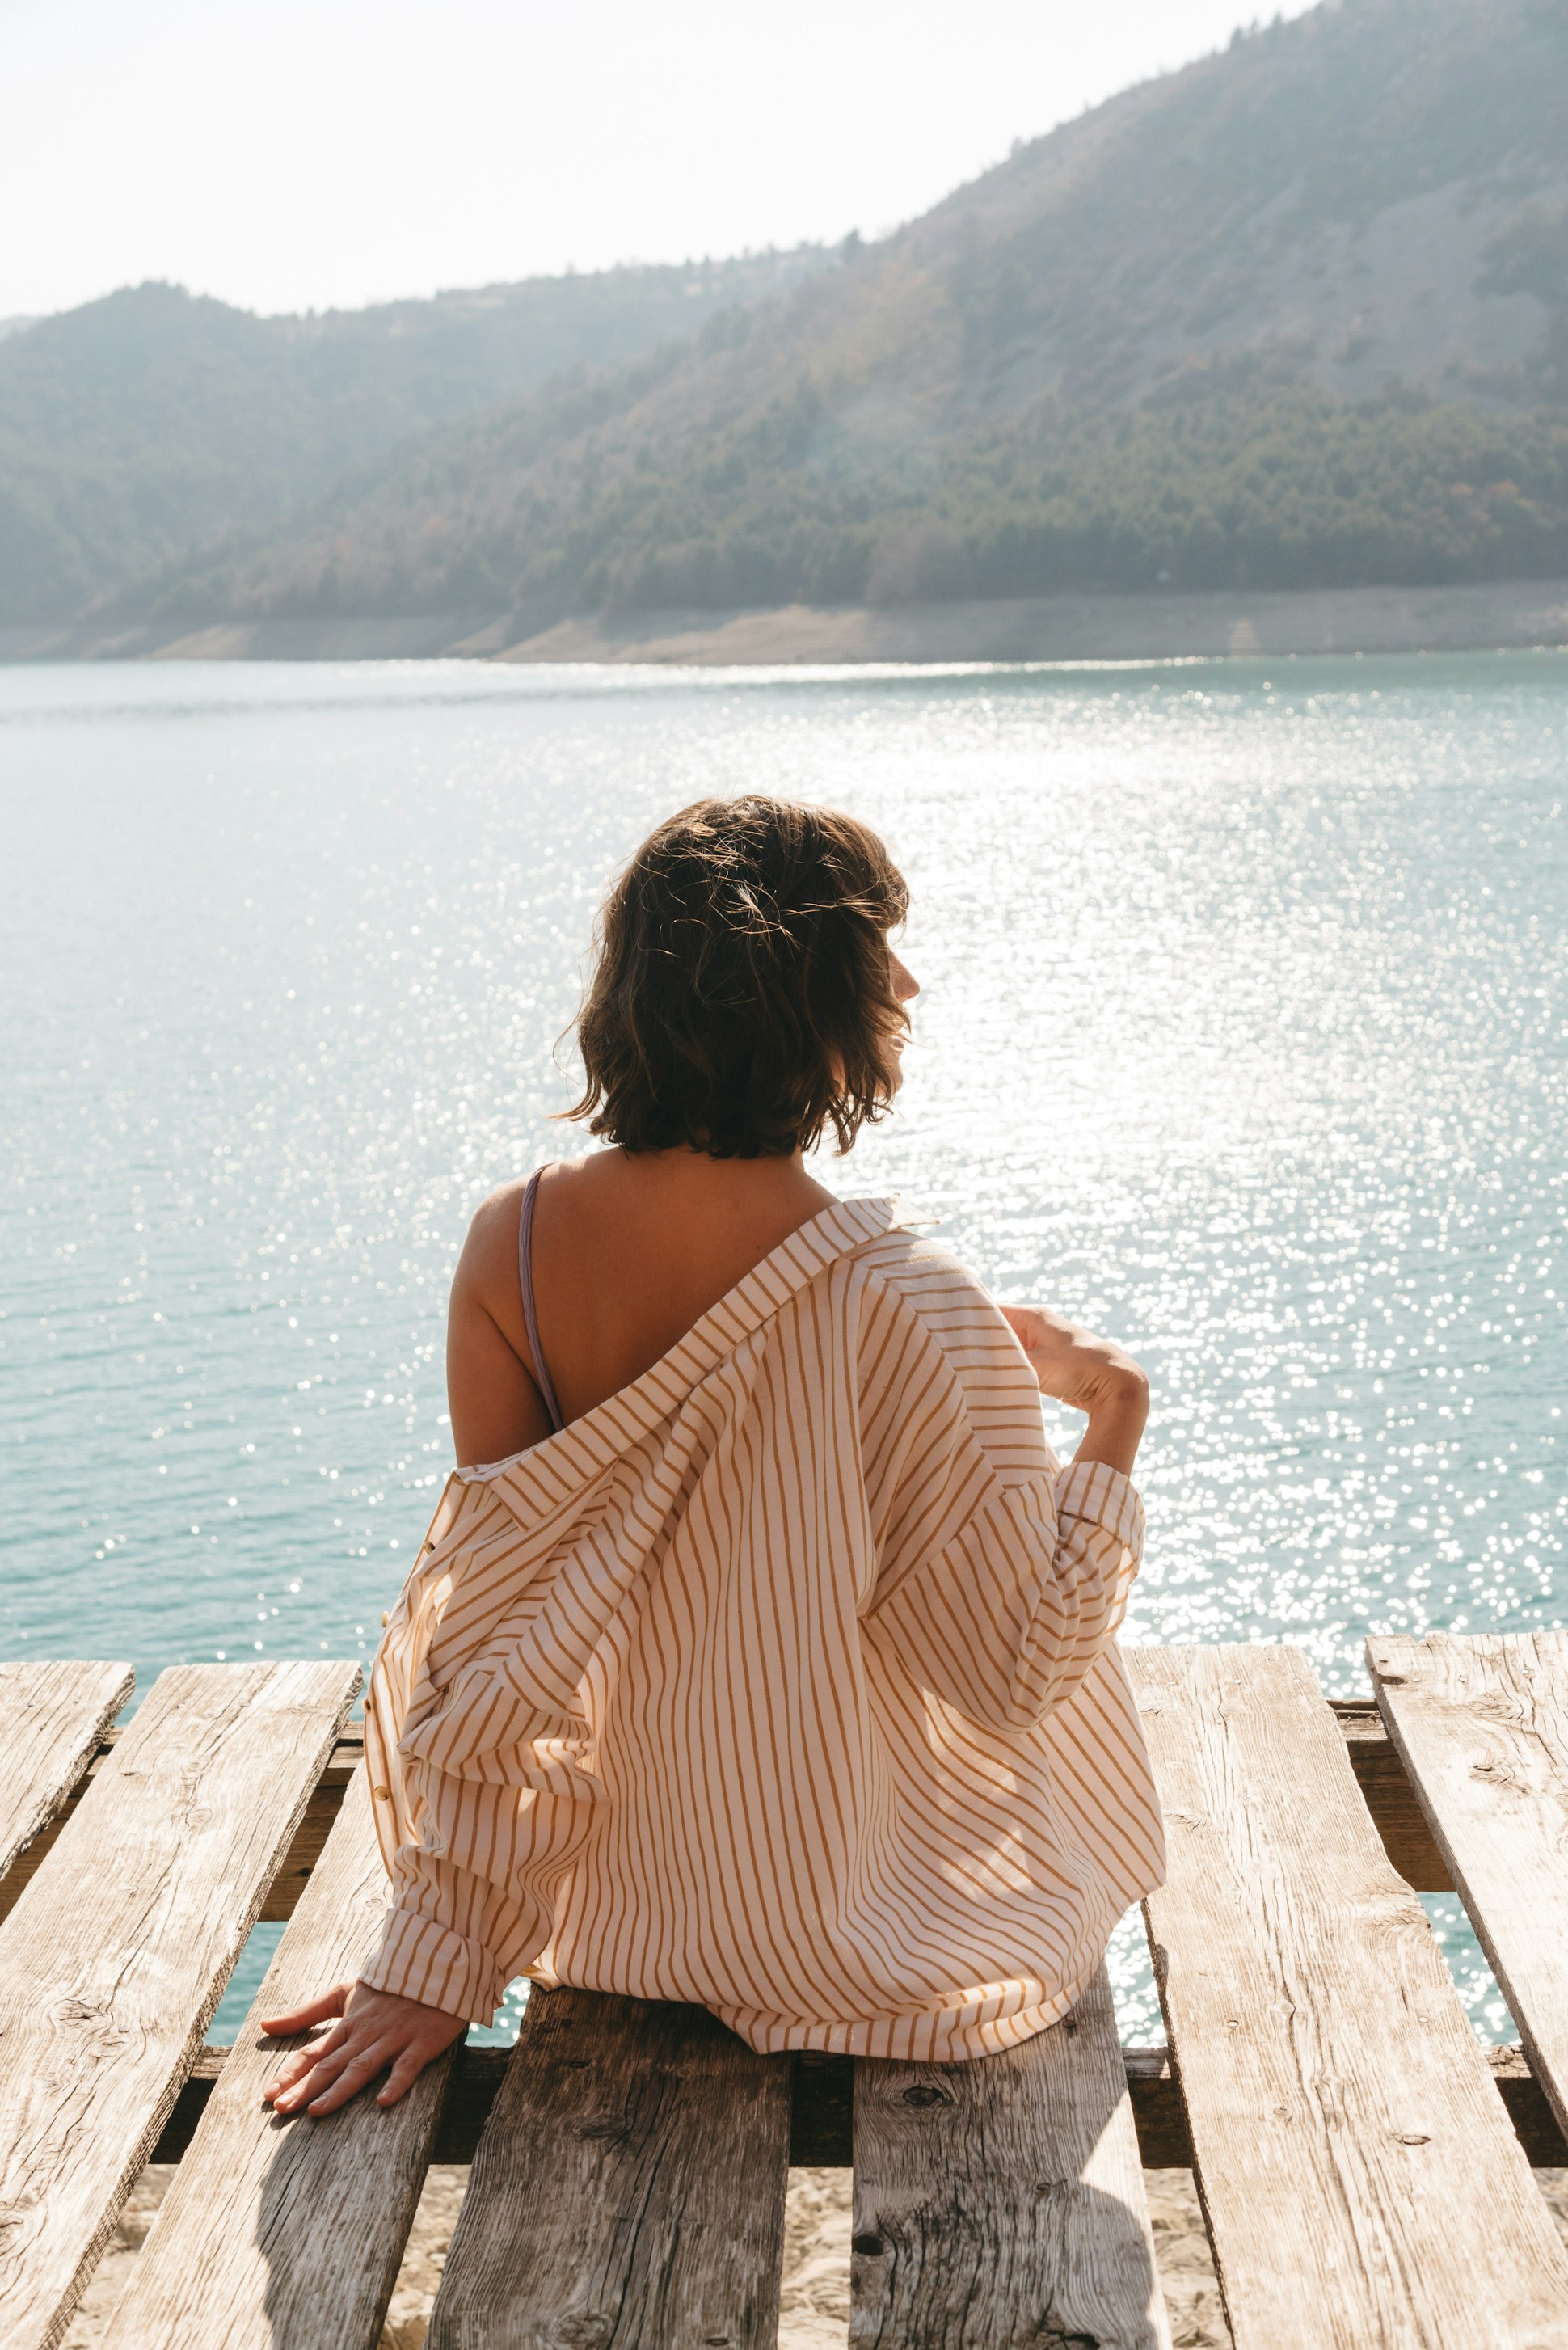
{"x":771,"y":1665}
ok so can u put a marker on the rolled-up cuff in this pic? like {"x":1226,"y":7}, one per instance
{"x":418,"y":1958}
{"x":1103,"y":1497}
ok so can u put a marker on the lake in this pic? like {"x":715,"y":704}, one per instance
{"x":1241,"y":1034}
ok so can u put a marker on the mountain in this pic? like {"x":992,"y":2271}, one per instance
{"x":1295,"y":315}
{"x":152,"y":422}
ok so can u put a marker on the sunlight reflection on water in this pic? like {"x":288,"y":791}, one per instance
{"x":1242,"y":1033}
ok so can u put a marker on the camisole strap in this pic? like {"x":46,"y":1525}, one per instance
{"x":542,"y":1379}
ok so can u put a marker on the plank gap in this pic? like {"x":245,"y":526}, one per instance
{"x":823,"y":2094}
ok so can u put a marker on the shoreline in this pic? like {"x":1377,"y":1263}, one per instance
{"x":1489,"y":616}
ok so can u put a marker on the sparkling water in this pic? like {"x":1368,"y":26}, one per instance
{"x":1241,"y":1035}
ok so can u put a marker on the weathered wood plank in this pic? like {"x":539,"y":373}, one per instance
{"x":116,"y":1955}
{"x":998,"y":2205}
{"x":1360,"y":2179}
{"x":1162,"y":2134}
{"x":629,"y":2190}
{"x":286,"y":2235}
{"x":294,"y":1873}
{"x":51,"y":1718}
{"x":1481,"y":1726}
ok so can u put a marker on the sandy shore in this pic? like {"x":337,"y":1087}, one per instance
{"x":1496,"y":613}
{"x":815,"y":2313}
{"x":1078,"y":628}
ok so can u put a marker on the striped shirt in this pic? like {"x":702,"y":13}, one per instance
{"x":784,"y":1682}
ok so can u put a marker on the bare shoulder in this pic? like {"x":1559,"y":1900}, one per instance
{"x":489,"y":1259}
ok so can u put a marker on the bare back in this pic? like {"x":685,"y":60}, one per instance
{"x":629,"y":1251}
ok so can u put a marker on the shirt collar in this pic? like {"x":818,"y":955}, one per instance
{"x":550,"y":1472}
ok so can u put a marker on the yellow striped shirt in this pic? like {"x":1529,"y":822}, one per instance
{"x":785,"y":1681}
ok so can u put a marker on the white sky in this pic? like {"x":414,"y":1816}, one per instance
{"x":293,"y":153}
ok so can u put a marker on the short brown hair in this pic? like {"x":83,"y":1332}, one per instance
{"x":741,"y":1001}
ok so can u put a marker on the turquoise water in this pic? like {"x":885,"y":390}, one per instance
{"x":1241,"y":1034}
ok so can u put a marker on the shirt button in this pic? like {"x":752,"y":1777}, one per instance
{"x":383,"y":1795}
{"x":385,"y":1619}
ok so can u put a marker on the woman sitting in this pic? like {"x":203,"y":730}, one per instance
{"x":768,"y":1659}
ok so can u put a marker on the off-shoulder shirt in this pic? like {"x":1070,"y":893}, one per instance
{"x":785,"y":1681}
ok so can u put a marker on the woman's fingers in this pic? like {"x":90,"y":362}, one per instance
{"x":351,"y":2077}
{"x":300,"y":2019}
{"x":306,"y":2060}
{"x":403,"y":2075}
{"x":1079,"y":1369}
{"x":350,"y":2056}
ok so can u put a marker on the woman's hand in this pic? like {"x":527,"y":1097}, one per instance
{"x":1093,"y":1375}
{"x":379,"y":2029}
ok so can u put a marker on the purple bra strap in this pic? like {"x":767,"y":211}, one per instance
{"x":542,"y":1379}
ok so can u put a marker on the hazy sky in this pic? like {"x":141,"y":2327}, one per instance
{"x":295,"y":153}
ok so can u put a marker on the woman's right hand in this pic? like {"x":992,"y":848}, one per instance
{"x":1091,"y":1375}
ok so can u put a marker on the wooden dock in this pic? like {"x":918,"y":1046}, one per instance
{"x":1364,"y":2164}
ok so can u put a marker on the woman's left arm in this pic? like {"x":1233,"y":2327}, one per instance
{"x":496,"y":1409}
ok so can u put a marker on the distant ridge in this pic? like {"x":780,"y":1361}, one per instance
{"x":154,"y":422}
{"x":1295,"y":317}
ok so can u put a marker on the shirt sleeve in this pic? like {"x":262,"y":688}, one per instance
{"x":474,"y":1747}
{"x":454,"y":1937}
{"x":420,"y":1955}
{"x":1005,"y":1621}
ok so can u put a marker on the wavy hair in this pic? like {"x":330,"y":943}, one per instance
{"x":741,"y":1001}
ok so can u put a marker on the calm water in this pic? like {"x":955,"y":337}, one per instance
{"x":1241,"y":1034}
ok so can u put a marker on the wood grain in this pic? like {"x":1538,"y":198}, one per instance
{"x":51,"y":1718}
{"x":116,"y":1955}
{"x":1360,"y":2179}
{"x":286,"y":2235}
{"x":1481,"y":1726}
{"x":998,"y":2205}
{"x":627,"y":2193}
{"x":294,"y":1871}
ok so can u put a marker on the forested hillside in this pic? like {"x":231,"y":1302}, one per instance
{"x":1295,"y":315}
{"x":143,"y":425}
